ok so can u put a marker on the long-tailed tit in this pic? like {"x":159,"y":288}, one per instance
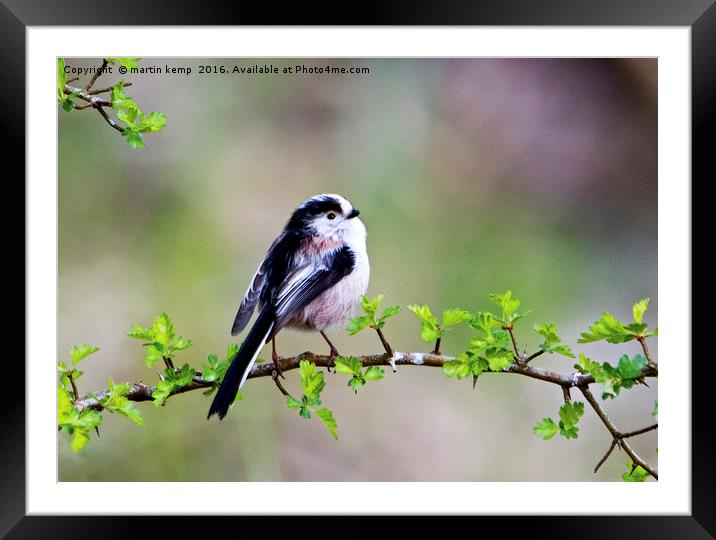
{"x":312,"y":279}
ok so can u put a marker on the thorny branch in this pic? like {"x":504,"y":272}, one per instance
{"x":143,"y":392}
{"x":90,"y":96}
{"x":617,"y":436}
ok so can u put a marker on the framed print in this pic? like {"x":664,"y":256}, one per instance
{"x":426,"y":269}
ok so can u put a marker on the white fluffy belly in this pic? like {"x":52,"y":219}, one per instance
{"x":335,"y":306}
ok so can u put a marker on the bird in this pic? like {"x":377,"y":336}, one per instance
{"x":312,"y":278}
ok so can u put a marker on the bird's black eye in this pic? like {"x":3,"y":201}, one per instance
{"x":331,"y":215}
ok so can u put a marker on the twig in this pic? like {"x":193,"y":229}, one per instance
{"x":518,"y":356}
{"x":274,"y":376}
{"x":143,"y":392}
{"x":74,"y":386}
{"x":84,"y":95}
{"x":386,"y":346}
{"x":109,"y":120}
{"x":567,"y":396}
{"x":436,"y":350}
{"x":533,"y":356}
{"x":639,"y":431}
{"x":108,"y":89}
{"x":616,"y":435}
{"x":650,"y":361}
{"x":606,"y":456}
{"x":96,"y":75}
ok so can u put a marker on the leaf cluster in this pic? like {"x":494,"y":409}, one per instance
{"x":626,"y":374}
{"x":77,"y":354}
{"x":136,"y":122}
{"x":552,"y":342}
{"x":77,"y":424}
{"x":371,"y":319}
{"x":353,"y":367}
{"x":569,"y":415}
{"x":160,"y":339}
{"x":608,"y":328}
{"x":488,"y":351}
{"x":430,"y":329}
{"x":313,"y":383}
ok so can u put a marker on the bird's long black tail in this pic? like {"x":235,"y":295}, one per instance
{"x":242,"y":363}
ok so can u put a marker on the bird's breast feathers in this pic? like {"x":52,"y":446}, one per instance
{"x":336,"y":305}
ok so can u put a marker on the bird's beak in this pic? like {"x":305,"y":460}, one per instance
{"x":354,"y":213}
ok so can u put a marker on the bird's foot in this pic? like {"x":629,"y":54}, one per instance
{"x":276,"y":364}
{"x":331,"y":359}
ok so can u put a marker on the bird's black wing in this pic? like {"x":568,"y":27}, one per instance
{"x":306,"y":283}
{"x":273,"y":269}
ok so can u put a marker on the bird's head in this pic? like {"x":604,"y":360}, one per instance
{"x":327,"y":215}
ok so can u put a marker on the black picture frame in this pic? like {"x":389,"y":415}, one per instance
{"x":699,"y":15}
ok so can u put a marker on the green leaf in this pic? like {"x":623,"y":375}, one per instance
{"x":374,"y":373}
{"x":131,"y":412}
{"x":181,"y":343}
{"x":571,"y":412}
{"x":139,"y":332}
{"x":607,"y":328}
{"x":546,"y":429}
{"x":154,"y":122}
{"x":549,"y":332}
{"x":639,"y":309}
{"x":79,"y":440}
{"x":355,"y":383}
{"x":428,"y":332}
{"x":552,"y":341}
{"x":569,"y":415}
{"x":134,"y":139}
{"x":568,"y":432}
{"x":452,"y":317}
{"x":453,"y":368}
{"x":311,"y":379}
{"x":61,"y":79}
{"x":477,"y":365}
{"x":348,"y":366}
{"x":585,"y":365}
{"x":116,"y":402}
{"x":326,"y":417}
{"x":120,"y":100}
{"x":128,"y":116}
{"x":429,"y":329}
{"x":484,"y":321}
{"x":153,"y":355}
{"x":509,"y":306}
{"x":562,"y":349}
{"x":631,"y":368}
{"x":65,"y":408}
{"x":655,"y":412}
{"x":371,"y":306}
{"x":356,"y":324}
{"x":162,"y":329}
{"x":292,"y":403}
{"x":610,"y":380}
{"x":81,"y":352}
{"x":76,"y":424}
{"x":499,"y":360}
{"x":389,"y":312}
{"x":173,"y":381}
{"x":423,"y":313}
{"x":634,"y":474}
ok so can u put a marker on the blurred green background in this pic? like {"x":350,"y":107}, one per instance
{"x":472,"y":175}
